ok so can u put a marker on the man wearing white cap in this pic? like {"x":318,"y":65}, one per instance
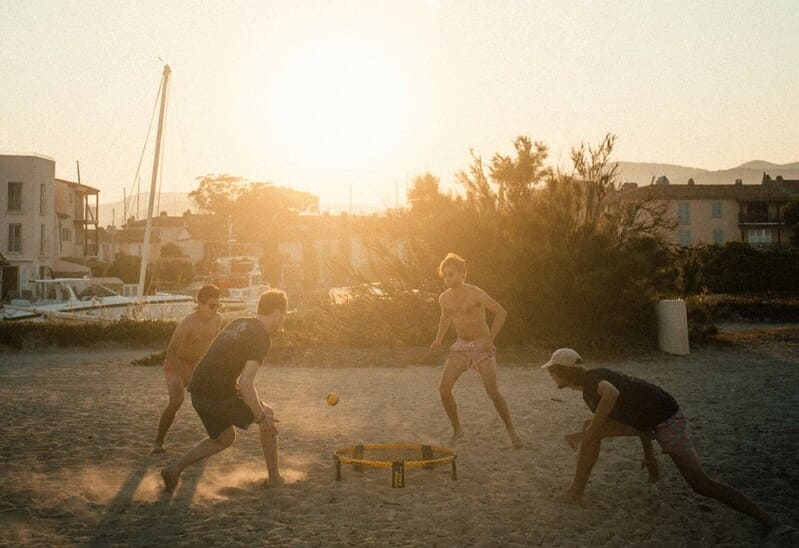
{"x":627,"y":406}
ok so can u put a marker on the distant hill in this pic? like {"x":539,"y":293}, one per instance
{"x":750,"y":173}
{"x":174,"y":203}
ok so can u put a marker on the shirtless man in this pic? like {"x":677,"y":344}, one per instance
{"x":464,"y":306}
{"x":191,"y":339}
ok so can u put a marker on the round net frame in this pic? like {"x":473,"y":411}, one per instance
{"x":428,"y":457}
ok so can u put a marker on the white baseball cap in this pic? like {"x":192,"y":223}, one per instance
{"x":563,"y":356}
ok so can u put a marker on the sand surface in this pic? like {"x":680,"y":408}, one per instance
{"x":76,"y":429}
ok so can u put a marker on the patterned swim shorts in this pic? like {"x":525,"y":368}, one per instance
{"x":672,"y":434}
{"x":474,"y":353}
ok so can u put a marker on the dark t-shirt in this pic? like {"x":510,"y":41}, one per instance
{"x":217,"y":374}
{"x":641,"y":405}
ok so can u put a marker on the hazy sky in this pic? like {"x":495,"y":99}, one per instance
{"x":328,"y":96}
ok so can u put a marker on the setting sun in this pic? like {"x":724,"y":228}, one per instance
{"x":343,"y":102}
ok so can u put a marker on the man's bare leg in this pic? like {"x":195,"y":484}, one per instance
{"x":488,"y":373}
{"x":269,"y":447}
{"x":690,"y":467}
{"x":176,"y":393}
{"x":453,"y":369}
{"x":203,"y":450}
{"x":587,"y":455}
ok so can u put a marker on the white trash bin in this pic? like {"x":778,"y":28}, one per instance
{"x":672,"y":327}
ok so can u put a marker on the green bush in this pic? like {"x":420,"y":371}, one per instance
{"x":20,"y":335}
{"x":737,"y":268}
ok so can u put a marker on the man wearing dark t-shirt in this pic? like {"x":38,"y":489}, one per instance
{"x":223,"y":391}
{"x":627,"y":406}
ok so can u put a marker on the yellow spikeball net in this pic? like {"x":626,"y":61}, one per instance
{"x":396,"y":456}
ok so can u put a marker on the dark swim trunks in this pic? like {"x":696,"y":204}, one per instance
{"x":219,"y":415}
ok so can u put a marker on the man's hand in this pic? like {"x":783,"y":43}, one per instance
{"x":488,"y":346}
{"x":435,"y":346}
{"x":651,"y":466}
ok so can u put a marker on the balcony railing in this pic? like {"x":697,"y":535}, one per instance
{"x":759,"y":218}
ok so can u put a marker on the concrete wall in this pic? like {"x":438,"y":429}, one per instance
{"x":39,"y":247}
{"x":701,"y":223}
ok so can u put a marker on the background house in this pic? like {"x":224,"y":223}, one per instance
{"x":43,"y":222}
{"x":717,"y":214}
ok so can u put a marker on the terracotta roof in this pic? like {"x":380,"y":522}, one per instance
{"x":774,"y":192}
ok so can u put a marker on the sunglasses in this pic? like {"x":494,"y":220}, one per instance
{"x":212,"y":306}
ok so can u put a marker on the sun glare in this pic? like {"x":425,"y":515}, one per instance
{"x":336,"y":104}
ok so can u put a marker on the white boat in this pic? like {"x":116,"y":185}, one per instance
{"x":81,"y":300}
{"x":239,"y":279}
{"x":78,"y":300}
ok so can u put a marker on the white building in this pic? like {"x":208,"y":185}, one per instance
{"x":43,"y":220}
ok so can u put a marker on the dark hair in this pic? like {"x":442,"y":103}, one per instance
{"x":207,"y":292}
{"x":272,"y":300}
{"x":573,"y":374}
{"x":454,"y":260}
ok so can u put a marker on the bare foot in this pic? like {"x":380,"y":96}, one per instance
{"x":570,"y":497}
{"x":456,"y":437}
{"x":157,"y":449}
{"x":271,"y":483}
{"x":170,"y":481}
{"x":515,"y":440}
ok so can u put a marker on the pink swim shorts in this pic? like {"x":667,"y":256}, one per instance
{"x":672,"y":434}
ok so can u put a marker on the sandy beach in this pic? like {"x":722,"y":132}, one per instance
{"x":77,"y":428}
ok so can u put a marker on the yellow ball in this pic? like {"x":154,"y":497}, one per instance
{"x":332,"y":398}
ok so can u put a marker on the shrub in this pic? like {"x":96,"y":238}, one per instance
{"x":20,"y":335}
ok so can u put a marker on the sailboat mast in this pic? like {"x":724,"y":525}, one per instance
{"x":145,"y":253}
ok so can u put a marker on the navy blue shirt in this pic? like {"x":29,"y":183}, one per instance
{"x":640,"y":404}
{"x":217,"y":374}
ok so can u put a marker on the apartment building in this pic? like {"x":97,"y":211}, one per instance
{"x":717,"y":214}
{"x":43,"y":221}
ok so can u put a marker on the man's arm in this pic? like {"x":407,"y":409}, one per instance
{"x":500,"y":314}
{"x":608,"y":394}
{"x":443,"y":326}
{"x":263,"y":413}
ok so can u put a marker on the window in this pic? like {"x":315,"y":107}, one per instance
{"x":15,"y":238}
{"x":758,"y":236}
{"x":15,"y":196}
{"x":42,"y":246}
{"x":683,"y":213}
{"x":716,"y":210}
{"x":42,"y":199}
{"x":718,"y":236}
{"x":685,"y":237}
{"x":66,"y":235}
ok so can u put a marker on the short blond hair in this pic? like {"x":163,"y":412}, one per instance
{"x":453,"y":260}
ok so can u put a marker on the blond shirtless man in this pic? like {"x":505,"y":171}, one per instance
{"x":464,"y":307}
{"x":191,"y":339}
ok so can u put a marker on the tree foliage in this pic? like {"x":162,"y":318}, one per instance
{"x":217,"y":193}
{"x":541,"y":242}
